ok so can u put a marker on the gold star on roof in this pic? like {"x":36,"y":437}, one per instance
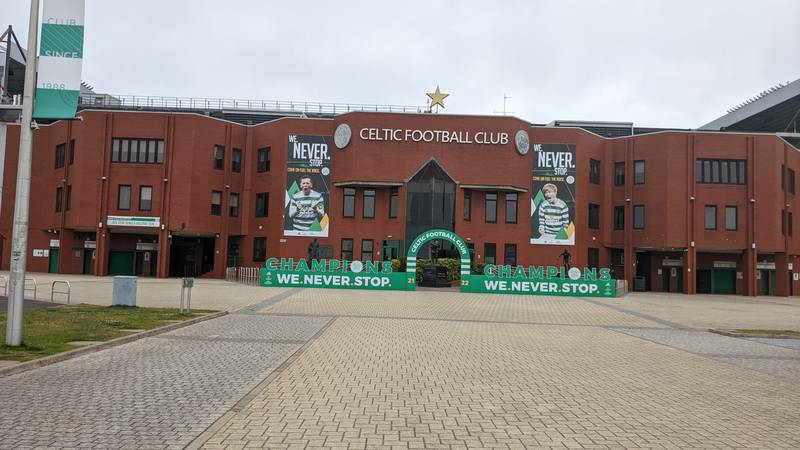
{"x":437,"y":97}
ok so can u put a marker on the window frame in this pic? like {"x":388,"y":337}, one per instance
{"x":236,"y":162}
{"x":148,"y":150}
{"x":594,"y":171}
{"x":467,"y":205}
{"x":68,"y":200}
{"x":735,"y":209}
{"x":119,"y":197}
{"x":263,"y":166}
{"x":233,"y":206}
{"x":594,"y":219}
{"x":368,"y":208}
{"x":636,"y":179}
{"x":259,"y":252}
{"x":619,"y":173}
{"x":706,"y":210}
{"x":486,"y":247}
{"x":486,"y":201}
{"x":60,"y":155}
{"x":370,"y":252}
{"x":506,"y":248}
{"x":394,"y":201}
{"x":515,"y":202}
{"x":71,"y":152}
{"x":619,"y":213}
{"x":349,"y":197}
{"x":218,"y":163}
{"x":59,"y":199}
{"x":721,"y":171}
{"x":141,"y":196}
{"x":342,"y":249}
{"x":216,"y":208}
{"x":639,"y":226}
{"x":264,"y":212}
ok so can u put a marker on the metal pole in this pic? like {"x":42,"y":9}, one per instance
{"x":19,"y":242}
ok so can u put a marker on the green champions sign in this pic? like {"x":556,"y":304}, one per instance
{"x":539,"y":280}
{"x":332,"y":273}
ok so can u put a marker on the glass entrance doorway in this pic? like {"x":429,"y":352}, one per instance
{"x":430,"y":204}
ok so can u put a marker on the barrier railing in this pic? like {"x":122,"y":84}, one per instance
{"x":53,"y":290}
{"x":35,"y":285}
{"x":245,"y":275}
{"x":4,"y":280}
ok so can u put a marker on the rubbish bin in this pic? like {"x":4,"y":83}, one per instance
{"x":124,"y":293}
{"x":639,"y":284}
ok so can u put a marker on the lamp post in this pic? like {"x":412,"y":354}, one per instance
{"x":19,"y":240}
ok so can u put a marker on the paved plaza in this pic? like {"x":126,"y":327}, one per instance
{"x":302,"y":368}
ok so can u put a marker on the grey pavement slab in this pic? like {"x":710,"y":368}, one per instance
{"x":27,"y":304}
{"x":758,"y":355}
{"x":161,"y":391}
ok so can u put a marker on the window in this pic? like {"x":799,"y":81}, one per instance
{"x":510,"y":255}
{"x":511,"y":208}
{"x":730,"y":218}
{"x":790,"y":180}
{"x":617,"y":257}
{"x":71,"y":152}
{"x":69,"y":198}
{"x":262,"y":204}
{"x":263,"y":159}
{"x":638,"y":172}
{"x":720,"y":171}
{"x":789,"y":222}
{"x":619,"y":217}
{"x":467,"y":205}
{"x":347,"y":249}
{"x":259,"y":249}
{"x":619,"y":174}
{"x":349,"y":204}
{"x":145,"y":198}
{"x":489,"y":253}
{"x":366,"y":249}
{"x":393,"y":199}
{"x":141,"y":151}
{"x":711,"y":217}
{"x":216,"y":203}
{"x":491,"y":207}
{"x":219,"y":157}
{"x":593,"y":258}
{"x":59,"y":198}
{"x":233,"y":209}
{"x":236,"y":160}
{"x":60,"y":151}
{"x":369,"y":204}
{"x":638,"y":217}
{"x":594,"y":171}
{"x":594,"y":216}
{"x":786,"y":222}
{"x":124,"y":197}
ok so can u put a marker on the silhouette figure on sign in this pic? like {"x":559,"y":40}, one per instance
{"x":313,"y":250}
{"x":566,"y":256}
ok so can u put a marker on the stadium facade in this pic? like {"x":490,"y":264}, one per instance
{"x":189,"y":192}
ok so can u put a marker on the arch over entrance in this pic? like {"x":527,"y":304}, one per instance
{"x":430,"y":235}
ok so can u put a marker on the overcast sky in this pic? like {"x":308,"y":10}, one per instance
{"x":656,"y":63}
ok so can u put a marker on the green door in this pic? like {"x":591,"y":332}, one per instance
{"x":53,"y":261}
{"x":88,"y":253}
{"x":723,"y":281}
{"x":120,"y":263}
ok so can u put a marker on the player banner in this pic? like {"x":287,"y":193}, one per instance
{"x":553,"y":194}
{"x":308,"y":177}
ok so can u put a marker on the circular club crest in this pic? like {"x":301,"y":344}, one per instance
{"x":342,"y":135}
{"x":523,"y":142}
{"x":574,"y":273}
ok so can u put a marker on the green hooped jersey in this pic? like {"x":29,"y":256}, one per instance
{"x":308,"y":207}
{"x":553,"y":216}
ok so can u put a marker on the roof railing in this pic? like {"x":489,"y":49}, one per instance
{"x":191,"y":103}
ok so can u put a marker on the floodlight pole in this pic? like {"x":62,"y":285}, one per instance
{"x":19,"y":240}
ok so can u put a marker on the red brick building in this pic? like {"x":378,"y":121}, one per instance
{"x":681,"y":211}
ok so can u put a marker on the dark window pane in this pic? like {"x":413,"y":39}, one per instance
{"x":233,"y":209}
{"x":511,"y":208}
{"x":347,"y":249}
{"x":59,"y":198}
{"x":742,"y":173}
{"x":369,"y":203}
{"x":619,"y":174}
{"x":145,"y":198}
{"x":349,"y":204}
{"x":593,"y":258}
{"x":489,"y":253}
{"x":115,"y":150}
{"x":467,"y":205}
{"x":393,"y":199}
{"x":638,"y":172}
{"x":711,"y":217}
{"x":160,"y":155}
{"x":706,"y":171}
{"x":259,"y":249}
{"x":594,"y":171}
{"x":124,"y":197}
{"x":72,"y":151}
{"x":510,"y":255}
{"x":732,"y":176}
{"x":594,"y":216}
{"x":698,"y":171}
{"x":216,"y":203}
{"x":491,"y":207}
{"x":366,"y":250}
{"x":219,"y":157}
{"x":619,"y":217}
{"x":236,"y":160}
{"x":730,"y":218}
{"x":638,"y":217}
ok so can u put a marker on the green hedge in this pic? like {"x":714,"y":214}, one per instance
{"x":453,"y":266}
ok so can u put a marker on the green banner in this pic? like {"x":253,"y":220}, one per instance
{"x":58,"y":74}
{"x":541,"y":286}
{"x":396,"y":281}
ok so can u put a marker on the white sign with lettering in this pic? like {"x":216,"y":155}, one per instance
{"x":437,"y":136}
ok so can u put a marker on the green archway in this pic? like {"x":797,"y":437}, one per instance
{"x":423,"y":238}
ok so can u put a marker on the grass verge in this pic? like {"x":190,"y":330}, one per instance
{"x":47,"y":331}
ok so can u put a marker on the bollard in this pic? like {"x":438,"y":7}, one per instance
{"x":186,"y":293}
